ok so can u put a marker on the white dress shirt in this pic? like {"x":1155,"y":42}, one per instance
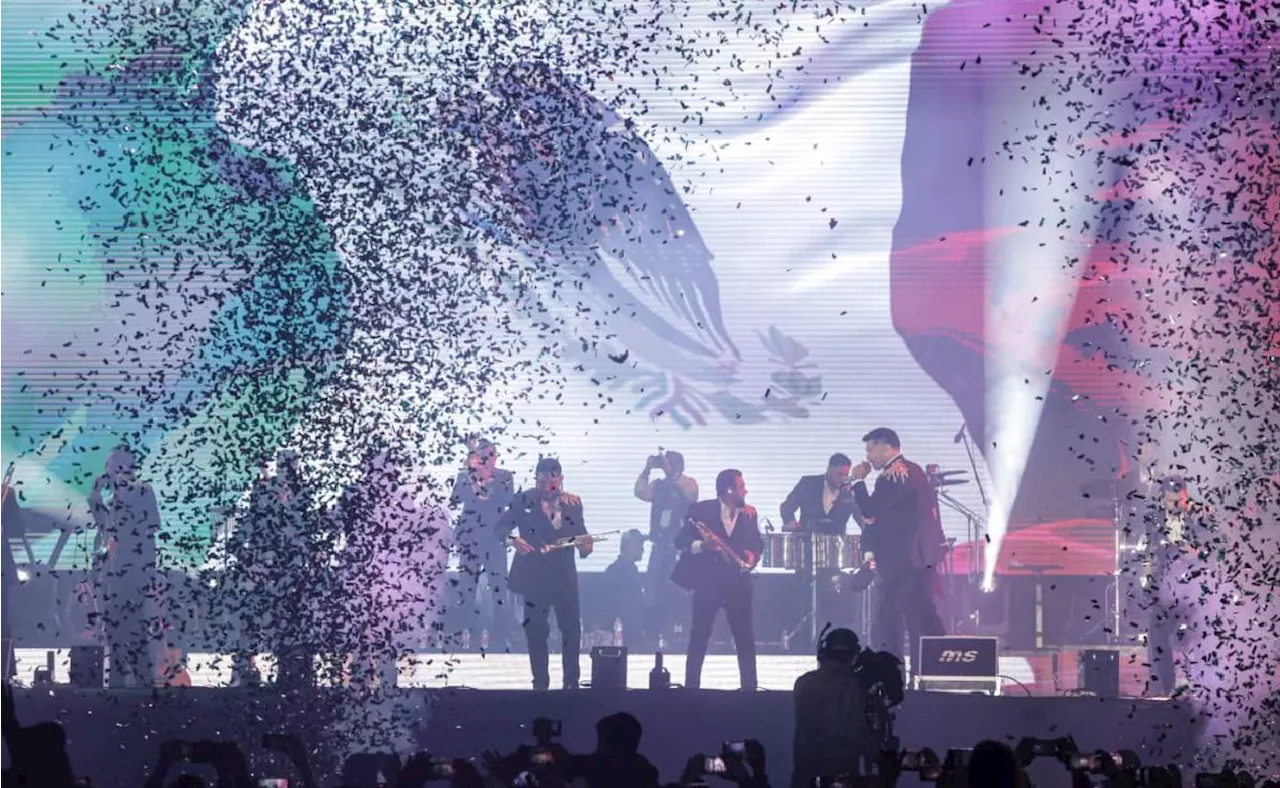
{"x":828,"y":498}
{"x":728,"y":518}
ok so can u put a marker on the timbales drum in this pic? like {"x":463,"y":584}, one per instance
{"x":836,"y":551}
{"x":781,"y":551}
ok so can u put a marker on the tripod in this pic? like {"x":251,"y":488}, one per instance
{"x":808,"y":574}
{"x":811,"y":576}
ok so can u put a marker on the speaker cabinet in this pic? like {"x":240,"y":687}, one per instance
{"x":87,"y":667}
{"x":609,"y":667}
{"x":1100,"y":673}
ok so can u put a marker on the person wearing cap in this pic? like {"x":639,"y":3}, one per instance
{"x":13,"y":526}
{"x":126,"y":512}
{"x":831,"y":730}
{"x":1175,"y":529}
{"x":544,"y":573}
{"x":483,"y":492}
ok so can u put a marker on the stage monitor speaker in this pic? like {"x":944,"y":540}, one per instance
{"x":609,"y":667}
{"x":87,"y":667}
{"x":1100,"y":672}
{"x":959,"y":664}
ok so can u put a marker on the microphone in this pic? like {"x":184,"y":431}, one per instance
{"x":960,"y":435}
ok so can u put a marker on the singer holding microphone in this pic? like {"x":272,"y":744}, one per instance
{"x":904,"y":537}
{"x":720,"y":544}
{"x":549,"y":528}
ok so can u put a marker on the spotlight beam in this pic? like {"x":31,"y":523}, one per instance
{"x":1033,"y":281}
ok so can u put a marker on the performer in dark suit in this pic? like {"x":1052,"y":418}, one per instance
{"x":825,"y":504}
{"x":279,"y":567}
{"x":484,"y":492}
{"x":127,"y":515}
{"x":825,"y":501}
{"x":12,"y":520}
{"x":904,"y":536}
{"x":716,"y":566}
{"x":545,"y":575}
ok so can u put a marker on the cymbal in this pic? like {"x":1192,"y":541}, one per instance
{"x":947,"y":473}
{"x":947,"y":482}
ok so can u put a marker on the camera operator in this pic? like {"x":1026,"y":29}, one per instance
{"x":832,"y":733}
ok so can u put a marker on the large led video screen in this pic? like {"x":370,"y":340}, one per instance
{"x":750,"y":234}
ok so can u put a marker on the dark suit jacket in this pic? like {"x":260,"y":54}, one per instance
{"x":707,"y":569}
{"x":907,"y":528}
{"x":13,"y":530}
{"x":541,"y":572}
{"x":481,"y":513}
{"x":807,"y":497}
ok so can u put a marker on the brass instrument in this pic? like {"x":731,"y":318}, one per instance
{"x":572,"y":541}
{"x":575,"y":541}
{"x":709,"y":537}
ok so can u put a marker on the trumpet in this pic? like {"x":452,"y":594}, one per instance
{"x":575,"y":541}
{"x":720,"y":546}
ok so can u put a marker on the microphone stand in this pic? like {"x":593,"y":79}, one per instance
{"x":975,"y":525}
{"x":975,"y":531}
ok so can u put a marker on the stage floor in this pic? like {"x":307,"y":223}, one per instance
{"x":1048,"y":673}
